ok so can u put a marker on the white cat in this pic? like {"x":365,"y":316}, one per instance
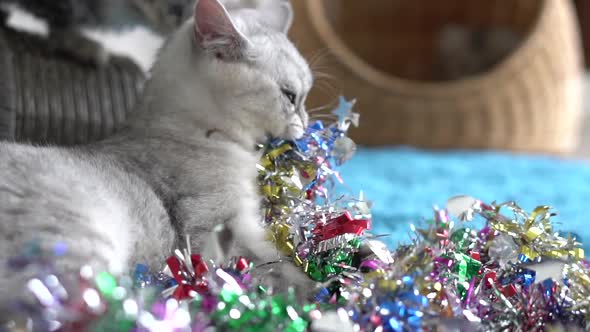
{"x":184,"y":163}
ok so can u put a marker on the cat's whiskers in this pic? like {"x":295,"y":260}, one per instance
{"x":321,"y":75}
{"x":319,"y":67}
{"x":323,"y":116}
{"x":318,"y":57}
{"x":320,"y":70}
{"x":319,"y":108}
{"x":326,"y":87}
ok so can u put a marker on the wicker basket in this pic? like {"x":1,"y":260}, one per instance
{"x":47,"y":98}
{"x":381,"y":52}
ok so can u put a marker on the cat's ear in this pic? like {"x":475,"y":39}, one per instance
{"x":278,"y":14}
{"x":215,"y":31}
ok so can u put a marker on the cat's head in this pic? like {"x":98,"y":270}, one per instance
{"x":242,"y":71}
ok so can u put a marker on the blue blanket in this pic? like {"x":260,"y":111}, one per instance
{"x":404,"y":184}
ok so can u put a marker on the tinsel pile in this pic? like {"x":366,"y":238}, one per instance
{"x":513,"y":274}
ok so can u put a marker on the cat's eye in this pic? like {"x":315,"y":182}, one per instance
{"x":290,"y":95}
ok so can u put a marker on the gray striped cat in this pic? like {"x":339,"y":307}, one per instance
{"x":184,"y":163}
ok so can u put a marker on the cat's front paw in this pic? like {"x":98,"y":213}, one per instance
{"x":270,"y":270}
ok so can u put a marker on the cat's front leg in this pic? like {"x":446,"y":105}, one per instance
{"x":234,"y":228}
{"x":233,"y":222}
{"x":272,"y":269}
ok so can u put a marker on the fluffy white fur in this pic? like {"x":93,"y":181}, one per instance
{"x":184,"y":164}
{"x":239,"y":101}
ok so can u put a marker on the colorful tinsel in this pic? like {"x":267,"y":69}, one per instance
{"x":319,"y":233}
{"x":516,"y":273}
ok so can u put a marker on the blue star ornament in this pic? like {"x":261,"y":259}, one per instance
{"x":345,"y":114}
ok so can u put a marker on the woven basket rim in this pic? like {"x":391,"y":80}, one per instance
{"x":402,"y":86}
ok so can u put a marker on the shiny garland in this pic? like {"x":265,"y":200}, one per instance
{"x":513,"y":274}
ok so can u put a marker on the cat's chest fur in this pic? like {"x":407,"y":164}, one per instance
{"x":202,"y":180}
{"x":215,"y":175}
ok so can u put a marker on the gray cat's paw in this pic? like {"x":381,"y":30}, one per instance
{"x":280,"y":275}
{"x":79,"y":47}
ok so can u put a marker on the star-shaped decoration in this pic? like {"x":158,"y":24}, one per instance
{"x":345,"y":114}
{"x":362,"y":207}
